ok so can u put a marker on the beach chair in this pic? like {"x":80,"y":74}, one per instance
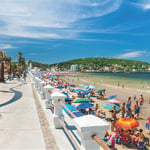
{"x":111,"y":141}
{"x":117,"y":138}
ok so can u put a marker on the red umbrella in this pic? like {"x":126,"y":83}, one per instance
{"x":126,"y":123}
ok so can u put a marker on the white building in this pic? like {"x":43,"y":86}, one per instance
{"x":73,"y":67}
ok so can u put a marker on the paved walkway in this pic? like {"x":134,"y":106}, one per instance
{"x":19,"y":123}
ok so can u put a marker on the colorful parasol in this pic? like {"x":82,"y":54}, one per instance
{"x":90,"y":86}
{"x":101,"y":90}
{"x":84,"y":105}
{"x":126,"y":123}
{"x":114,"y":101}
{"x":81,"y":100}
{"x":78,"y":90}
{"x":110,"y":106}
{"x":111,"y":97}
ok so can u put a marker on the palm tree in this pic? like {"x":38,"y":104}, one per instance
{"x":20,"y":56}
{"x":21,"y":64}
{"x":2,"y":72}
{"x":2,"y":67}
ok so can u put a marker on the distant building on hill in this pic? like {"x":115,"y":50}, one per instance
{"x":74,"y":68}
{"x":106,"y":68}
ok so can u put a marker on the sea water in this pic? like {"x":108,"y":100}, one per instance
{"x":137,"y":80}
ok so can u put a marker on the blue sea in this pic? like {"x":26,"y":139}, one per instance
{"x":136,"y":80}
{"x":141,"y":76}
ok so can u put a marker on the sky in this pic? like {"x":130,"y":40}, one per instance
{"x":53,"y":31}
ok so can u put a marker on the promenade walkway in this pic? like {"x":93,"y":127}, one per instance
{"x":20,"y":127}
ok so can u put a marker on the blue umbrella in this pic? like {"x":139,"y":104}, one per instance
{"x":78,"y":90}
{"x":85,"y":92}
{"x":68,"y":99}
{"x":65,"y":93}
{"x":90,"y":86}
{"x":81,"y":85}
{"x":111,"y":97}
{"x":110,"y":106}
{"x":85,"y":105}
{"x":70,"y":107}
{"x":60,"y":87}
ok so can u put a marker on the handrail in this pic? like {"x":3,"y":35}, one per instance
{"x":100,"y":142}
{"x":73,"y":115}
{"x":72,"y":140}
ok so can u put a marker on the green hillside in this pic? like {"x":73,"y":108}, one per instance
{"x":103,"y":61}
{"x":99,"y":64}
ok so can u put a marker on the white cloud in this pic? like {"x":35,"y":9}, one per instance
{"x":6,"y":46}
{"x":21,"y":17}
{"x":133,"y":54}
{"x":144,"y":4}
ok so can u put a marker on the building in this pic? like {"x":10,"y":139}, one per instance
{"x":73,"y":67}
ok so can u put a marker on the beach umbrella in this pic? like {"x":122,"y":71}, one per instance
{"x":60,"y":87}
{"x":72,"y":85}
{"x":81,"y":85}
{"x":52,"y":76}
{"x":126,"y":123}
{"x":101,"y":90}
{"x":70,"y":107}
{"x":81,"y":100}
{"x":85,"y":92}
{"x":110,"y":106}
{"x":65,"y":93}
{"x":90,"y":86}
{"x":114,"y":101}
{"x":111,"y":97}
{"x":78,"y":90}
{"x":68,"y":99}
{"x":84,"y":105}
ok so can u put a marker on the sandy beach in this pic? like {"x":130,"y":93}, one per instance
{"x":122,"y":96}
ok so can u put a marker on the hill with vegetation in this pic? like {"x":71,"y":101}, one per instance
{"x":39,"y":65}
{"x":99,"y":64}
{"x":103,"y":61}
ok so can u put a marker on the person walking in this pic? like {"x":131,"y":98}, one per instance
{"x":24,"y":76}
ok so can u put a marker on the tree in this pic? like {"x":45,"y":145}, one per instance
{"x":20,"y":56}
{"x":22,"y":64}
{"x":2,"y":72}
{"x":2,"y":67}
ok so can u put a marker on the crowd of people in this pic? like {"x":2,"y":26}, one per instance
{"x":18,"y":75}
{"x":129,"y":109}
